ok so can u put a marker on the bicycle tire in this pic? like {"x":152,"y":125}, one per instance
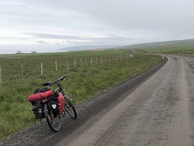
{"x":70,"y":109}
{"x":54,"y":122}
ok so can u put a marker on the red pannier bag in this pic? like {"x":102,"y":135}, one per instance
{"x":61,"y":103}
{"x":57,"y":103}
{"x":40,"y":96}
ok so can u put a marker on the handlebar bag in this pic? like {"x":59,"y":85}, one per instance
{"x":40,"y":95}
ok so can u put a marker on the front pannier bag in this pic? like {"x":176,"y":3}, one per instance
{"x":57,"y":104}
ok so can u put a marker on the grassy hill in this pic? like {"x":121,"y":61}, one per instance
{"x":176,"y":46}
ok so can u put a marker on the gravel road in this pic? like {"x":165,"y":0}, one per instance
{"x":155,"y":108}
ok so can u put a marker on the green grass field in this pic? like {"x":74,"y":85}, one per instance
{"x":172,"y":47}
{"x":179,"y":50}
{"x":94,"y":72}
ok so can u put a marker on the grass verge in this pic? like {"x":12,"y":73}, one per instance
{"x":83,"y":82}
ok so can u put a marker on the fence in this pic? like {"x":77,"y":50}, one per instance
{"x":66,"y":64}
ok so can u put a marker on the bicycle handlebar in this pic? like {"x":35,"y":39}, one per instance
{"x":59,"y":79}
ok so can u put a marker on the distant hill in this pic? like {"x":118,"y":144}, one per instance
{"x":78,"y":48}
{"x":176,"y":46}
{"x":166,"y":44}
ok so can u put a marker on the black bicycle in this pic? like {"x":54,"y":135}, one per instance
{"x":52,"y":104}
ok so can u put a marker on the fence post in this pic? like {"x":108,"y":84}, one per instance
{"x":86,"y":61}
{"x":22,"y":67}
{"x":75,"y":62}
{"x":67,"y":65}
{"x":56,"y":65}
{"x":1,"y":81}
{"x":162,"y":57}
{"x":81,"y":61}
{"x":41,"y":67}
{"x":96,"y":60}
{"x":91,"y":61}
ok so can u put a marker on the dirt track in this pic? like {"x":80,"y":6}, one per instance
{"x":156,"y":111}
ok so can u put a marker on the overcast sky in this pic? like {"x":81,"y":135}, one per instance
{"x":49,"y":25}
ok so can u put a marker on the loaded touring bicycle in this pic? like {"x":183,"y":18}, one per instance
{"x":52,"y":104}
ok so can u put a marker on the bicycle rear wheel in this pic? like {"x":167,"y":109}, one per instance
{"x":54,"y":121}
{"x":70,"y":109}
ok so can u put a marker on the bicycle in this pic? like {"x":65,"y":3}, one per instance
{"x":46,"y":104}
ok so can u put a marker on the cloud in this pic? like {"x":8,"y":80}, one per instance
{"x":128,"y":15}
{"x":41,"y":42}
{"x":52,"y":36}
{"x":90,"y":39}
{"x":103,"y":22}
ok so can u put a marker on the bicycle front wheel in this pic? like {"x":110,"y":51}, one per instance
{"x":70,"y":109}
{"x":54,"y":121}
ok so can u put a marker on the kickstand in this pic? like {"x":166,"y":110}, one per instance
{"x":41,"y":121}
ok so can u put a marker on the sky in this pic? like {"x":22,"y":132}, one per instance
{"x":49,"y":25}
